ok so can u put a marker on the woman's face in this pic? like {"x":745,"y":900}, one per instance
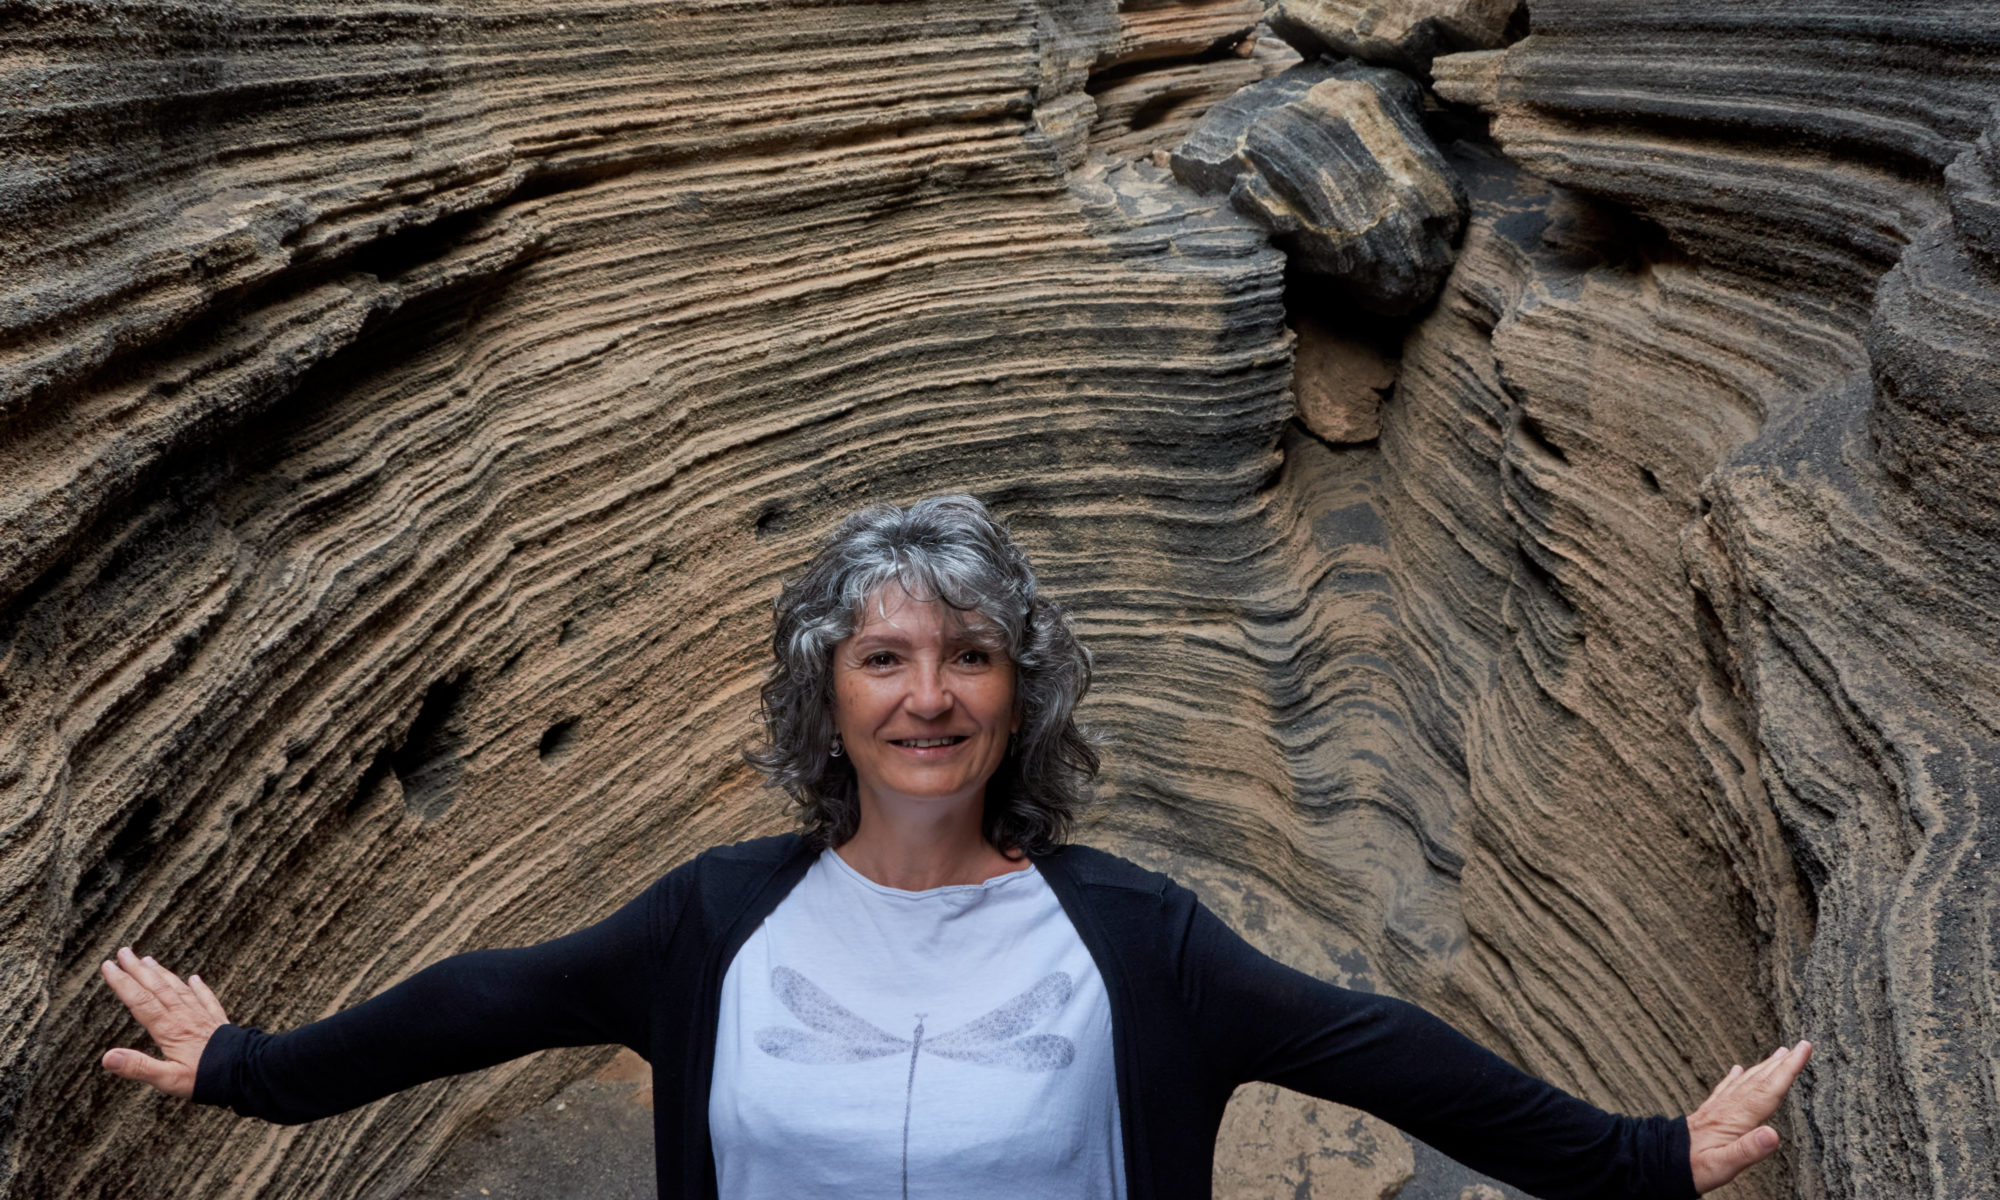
{"x":923,"y":708}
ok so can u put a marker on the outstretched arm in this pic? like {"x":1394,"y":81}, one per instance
{"x":464,"y":1013}
{"x":1398,"y":1062}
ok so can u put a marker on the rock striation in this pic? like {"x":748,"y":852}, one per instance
{"x":406,"y":416}
{"x":1340,"y":381}
{"x":1333,"y":159}
{"x":1406,"y":34}
{"x":1811,"y":158}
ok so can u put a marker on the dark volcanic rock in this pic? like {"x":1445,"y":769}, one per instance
{"x":1935,"y":345}
{"x":1400,"y":33}
{"x":1334,"y":160}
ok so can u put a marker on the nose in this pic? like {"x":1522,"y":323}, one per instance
{"x":927,"y":698}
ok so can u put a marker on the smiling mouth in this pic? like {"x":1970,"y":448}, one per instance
{"x":927,"y":743}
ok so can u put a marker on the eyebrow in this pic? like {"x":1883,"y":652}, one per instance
{"x":985,"y":636}
{"x":893,"y":637}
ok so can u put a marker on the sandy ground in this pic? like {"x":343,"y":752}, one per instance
{"x":594,"y":1141}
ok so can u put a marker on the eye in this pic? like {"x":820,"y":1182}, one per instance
{"x":879,"y":658}
{"x":974,"y":658}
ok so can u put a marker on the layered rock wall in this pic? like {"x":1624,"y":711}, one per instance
{"x":406,"y":416}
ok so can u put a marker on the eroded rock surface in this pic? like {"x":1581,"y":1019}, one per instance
{"x":1403,"y":33}
{"x":406,"y":416}
{"x":1340,"y":381}
{"x":1333,"y":159}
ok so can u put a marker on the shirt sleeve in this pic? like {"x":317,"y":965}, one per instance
{"x":462,"y":1014}
{"x":1264,"y":1021}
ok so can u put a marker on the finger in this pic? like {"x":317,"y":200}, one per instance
{"x":158,"y":980}
{"x":134,"y":995}
{"x":206,"y":998}
{"x":1747,"y":1151}
{"x":173,"y":985}
{"x":178,"y":1004}
{"x":1777,"y":1072}
{"x":1786,"y":1068}
{"x":1762,"y":1089}
{"x":171,"y":1078}
{"x":146,"y":977}
{"x":1724,"y":1083}
{"x":1755,"y":1073}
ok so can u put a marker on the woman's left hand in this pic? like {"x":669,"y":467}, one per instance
{"x":1727,"y":1134}
{"x":180,"y":1017}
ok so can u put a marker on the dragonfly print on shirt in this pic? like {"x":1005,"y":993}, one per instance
{"x":833,"y":1035}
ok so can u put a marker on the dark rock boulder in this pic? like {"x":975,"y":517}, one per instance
{"x":1399,"y":33}
{"x":1333,"y":159}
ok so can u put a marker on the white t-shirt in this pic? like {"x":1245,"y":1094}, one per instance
{"x":954,"y":1042}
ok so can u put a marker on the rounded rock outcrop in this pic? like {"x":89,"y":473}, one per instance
{"x":1333,"y":159}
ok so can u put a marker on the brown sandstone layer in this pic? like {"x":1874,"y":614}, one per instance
{"x":406,"y":415}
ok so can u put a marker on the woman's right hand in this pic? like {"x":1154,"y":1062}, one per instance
{"x":179,"y":1017}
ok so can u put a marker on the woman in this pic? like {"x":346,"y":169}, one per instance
{"x":927,"y":993}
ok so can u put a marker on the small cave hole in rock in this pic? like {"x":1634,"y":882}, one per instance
{"x":1154,"y":111}
{"x":1714,"y":636}
{"x":429,"y":761}
{"x":566,"y":632}
{"x":114,"y":873}
{"x":772,"y":520}
{"x":557,"y":741}
{"x":1542,"y":582}
{"x":371,"y":786}
{"x":1101,"y":81}
{"x":417,"y":245}
{"x":1711,"y":621}
{"x":1534,"y":435}
{"x":1651,"y":480}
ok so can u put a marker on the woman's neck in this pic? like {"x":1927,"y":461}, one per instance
{"x":915,"y":851}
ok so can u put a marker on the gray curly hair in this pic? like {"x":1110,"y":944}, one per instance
{"x":947,"y":548}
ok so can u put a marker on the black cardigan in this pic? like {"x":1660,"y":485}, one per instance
{"x":1195,"y":1011}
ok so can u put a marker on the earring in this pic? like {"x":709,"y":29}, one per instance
{"x":1013,"y":742}
{"x":836,"y":750}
